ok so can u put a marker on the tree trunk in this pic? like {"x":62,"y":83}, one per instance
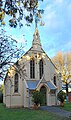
{"x":66,"y":91}
{"x":62,"y":104}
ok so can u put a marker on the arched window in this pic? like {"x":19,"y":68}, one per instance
{"x":55,"y":80}
{"x":16,"y":83}
{"x":41,"y":69}
{"x":32,"y":68}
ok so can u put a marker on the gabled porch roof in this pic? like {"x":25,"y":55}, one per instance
{"x":51,"y":85}
{"x":32,"y":84}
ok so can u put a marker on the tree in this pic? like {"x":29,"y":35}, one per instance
{"x":61,"y":97}
{"x":9,"y":53}
{"x":63,"y":64}
{"x":37,"y":97}
{"x":19,"y":10}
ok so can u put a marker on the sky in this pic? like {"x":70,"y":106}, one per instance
{"x":55,"y":35}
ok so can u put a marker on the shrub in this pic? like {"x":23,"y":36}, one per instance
{"x":37,"y":97}
{"x":61,"y":96}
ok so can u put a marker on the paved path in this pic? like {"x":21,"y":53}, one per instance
{"x":56,"y":110}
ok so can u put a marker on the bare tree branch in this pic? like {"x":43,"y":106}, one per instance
{"x":9,"y":53}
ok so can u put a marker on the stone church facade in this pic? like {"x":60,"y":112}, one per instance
{"x":33,"y":71}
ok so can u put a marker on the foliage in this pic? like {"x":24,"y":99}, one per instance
{"x":37,"y":97}
{"x":63,"y":63}
{"x":1,"y":97}
{"x":18,"y":10}
{"x":21,"y":114}
{"x":9,"y":52}
{"x":61,"y":96}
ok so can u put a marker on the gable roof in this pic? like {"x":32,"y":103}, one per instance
{"x":32,"y":84}
{"x":43,"y":52}
{"x":49,"y":58}
{"x":36,"y":32}
{"x":51,"y":85}
{"x":36,"y":40}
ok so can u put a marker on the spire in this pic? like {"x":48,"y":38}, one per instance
{"x":36,"y":39}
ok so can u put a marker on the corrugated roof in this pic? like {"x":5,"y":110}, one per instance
{"x":32,"y":84}
{"x":51,"y":86}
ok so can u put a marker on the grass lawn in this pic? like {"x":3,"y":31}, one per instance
{"x":67,"y":106}
{"x":26,"y":114}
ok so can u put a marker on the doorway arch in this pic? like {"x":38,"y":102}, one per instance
{"x":43,"y":91}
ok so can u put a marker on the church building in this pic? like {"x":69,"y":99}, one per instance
{"x":34,"y":71}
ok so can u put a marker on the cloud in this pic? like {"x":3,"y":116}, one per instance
{"x":53,"y":17}
{"x":59,"y":2}
{"x":19,"y":38}
{"x":57,"y":18}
